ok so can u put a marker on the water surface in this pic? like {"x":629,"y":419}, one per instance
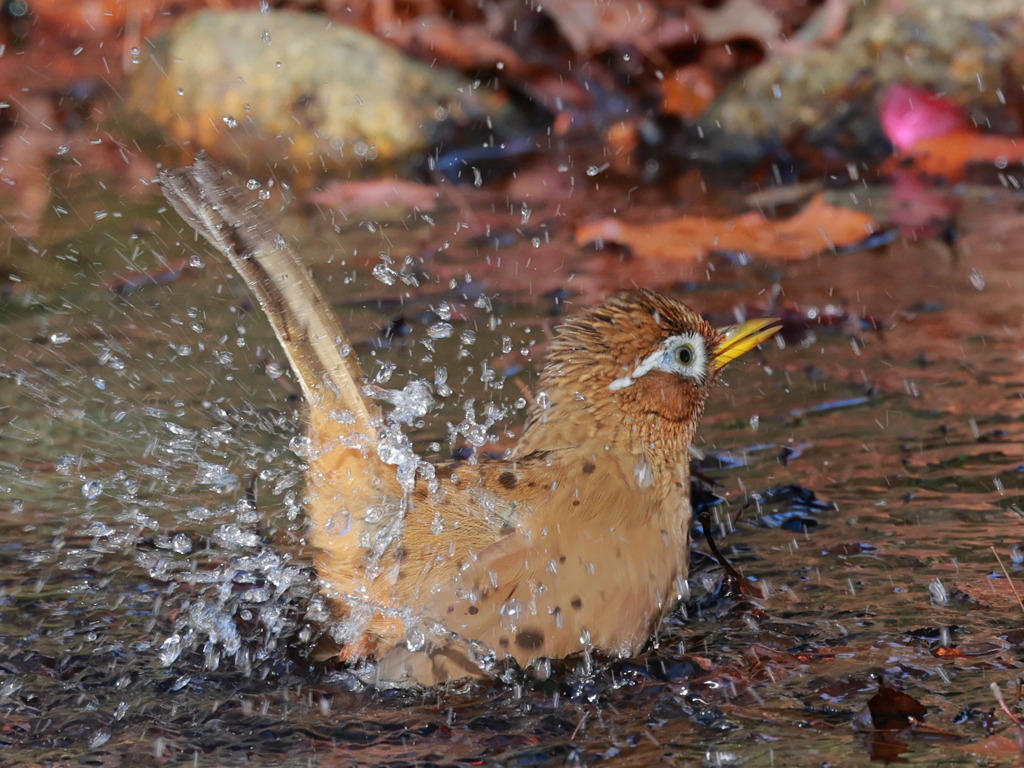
{"x":147,"y":607}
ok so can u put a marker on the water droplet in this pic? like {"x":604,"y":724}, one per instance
{"x":59,"y":338}
{"x":938,"y":591}
{"x":301,"y":446}
{"x":63,"y":149}
{"x":643,"y":474}
{"x":263,"y":194}
{"x":170,"y":650}
{"x":92,"y":489}
{"x":252,"y":184}
{"x":231,"y":535}
{"x":229,"y":121}
{"x":441,"y":382}
{"x":415,"y":638}
{"x":385,"y":274}
{"x":134,"y":53}
{"x":542,"y":668}
{"x":99,"y":738}
{"x":440,"y":330}
{"x":977,"y":280}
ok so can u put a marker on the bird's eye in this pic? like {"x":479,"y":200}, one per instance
{"x":684,"y":354}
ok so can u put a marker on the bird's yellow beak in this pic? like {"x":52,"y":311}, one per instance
{"x":740,"y":339}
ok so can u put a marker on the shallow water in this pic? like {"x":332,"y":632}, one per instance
{"x":148,"y":608}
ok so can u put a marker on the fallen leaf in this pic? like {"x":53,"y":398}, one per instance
{"x":130,"y":282}
{"x":737,"y":19}
{"x":687,"y":92}
{"x":993,"y":592}
{"x":949,"y":155}
{"x":933,"y":135}
{"x":819,"y":227}
{"x":995,"y":747}
{"x":893,"y":710}
{"x":361,"y":196}
{"x":910,"y":114}
{"x":463,"y":45}
{"x":591,"y":27}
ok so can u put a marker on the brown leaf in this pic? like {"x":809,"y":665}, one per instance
{"x":361,"y":196}
{"x":687,"y":91}
{"x":127,"y":283}
{"x":949,"y":155}
{"x":995,"y":747}
{"x":736,"y":19}
{"x":464,"y":45}
{"x":591,"y":27}
{"x":818,"y":227}
{"x":893,"y":710}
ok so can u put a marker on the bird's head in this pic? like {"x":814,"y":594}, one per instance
{"x":646,"y":357}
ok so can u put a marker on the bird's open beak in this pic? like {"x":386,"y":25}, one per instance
{"x":740,"y":339}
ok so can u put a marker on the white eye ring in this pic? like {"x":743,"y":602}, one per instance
{"x":684,"y":355}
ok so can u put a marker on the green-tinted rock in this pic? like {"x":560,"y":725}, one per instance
{"x":963,"y":49}
{"x":291,"y":89}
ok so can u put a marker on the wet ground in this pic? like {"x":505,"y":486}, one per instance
{"x":148,"y":607}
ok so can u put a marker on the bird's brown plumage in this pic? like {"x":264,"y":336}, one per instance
{"x":578,"y":540}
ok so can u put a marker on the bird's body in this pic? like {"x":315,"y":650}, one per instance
{"x":577,"y":540}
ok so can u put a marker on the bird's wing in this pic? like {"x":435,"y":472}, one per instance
{"x":562,"y":574}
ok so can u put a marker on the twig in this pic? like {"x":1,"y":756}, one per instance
{"x":578,"y":728}
{"x":1007,"y":575}
{"x":1013,"y":718}
{"x":1002,"y":705}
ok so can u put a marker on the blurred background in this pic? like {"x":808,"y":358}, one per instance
{"x":459,"y":176}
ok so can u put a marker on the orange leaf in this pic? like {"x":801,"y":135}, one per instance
{"x":818,"y":227}
{"x":687,"y":92}
{"x":948,"y":155}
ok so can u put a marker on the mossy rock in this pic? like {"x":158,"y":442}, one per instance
{"x":293,"y":92}
{"x":967,"y":51}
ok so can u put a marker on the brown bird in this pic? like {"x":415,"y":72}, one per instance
{"x":578,"y":540}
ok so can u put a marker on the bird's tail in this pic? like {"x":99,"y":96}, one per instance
{"x":352,"y":499}
{"x":319,"y":353}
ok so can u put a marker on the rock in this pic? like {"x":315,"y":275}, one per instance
{"x":293,"y":91}
{"x":963,"y":50}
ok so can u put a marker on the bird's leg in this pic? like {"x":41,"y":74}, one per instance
{"x":734,"y":581}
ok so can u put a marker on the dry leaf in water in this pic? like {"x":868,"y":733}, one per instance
{"x":819,"y":227}
{"x":947,"y":156}
{"x":933,"y":134}
{"x":738,"y":19}
{"x":363,"y":196}
{"x":590,"y":27}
